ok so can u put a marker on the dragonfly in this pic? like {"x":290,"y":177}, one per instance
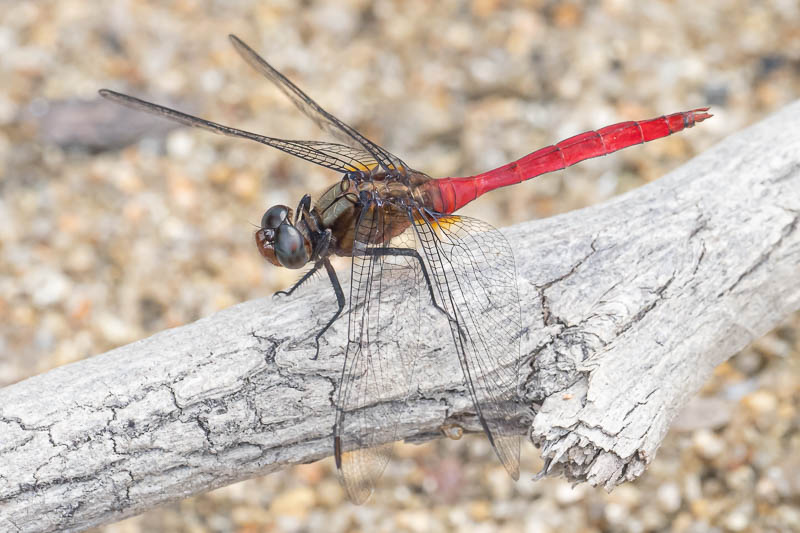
{"x":410,"y":255}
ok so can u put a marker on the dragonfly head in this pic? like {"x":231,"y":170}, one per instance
{"x":279,"y":241}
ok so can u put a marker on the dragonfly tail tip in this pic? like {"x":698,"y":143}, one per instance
{"x":700,"y":114}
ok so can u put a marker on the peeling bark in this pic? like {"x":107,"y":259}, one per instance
{"x":627,"y":307}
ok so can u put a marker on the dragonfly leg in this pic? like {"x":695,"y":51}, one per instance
{"x":408,"y":252}
{"x":302,"y":208}
{"x":302,"y":280}
{"x":321,"y":250}
{"x":337,"y":288}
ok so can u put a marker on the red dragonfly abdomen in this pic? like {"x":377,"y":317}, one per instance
{"x":457,"y":192}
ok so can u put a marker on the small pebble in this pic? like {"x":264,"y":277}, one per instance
{"x":738,"y":519}
{"x":180,"y":144}
{"x":480,"y":510}
{"x":707,"y":444}
{"x":616,"y":514}
{"x":669,"y":497}
{"x":565,"y":494}
{"x":741,"y":478}
{"x":295,"y":502}
{"x":761,"y":402}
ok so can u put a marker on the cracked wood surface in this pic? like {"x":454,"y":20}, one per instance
{"x":627,"y":307}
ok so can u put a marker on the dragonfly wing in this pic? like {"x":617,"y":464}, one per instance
{"x":334,"y":156}
{"x":472,"y":266}
{"x":379,"y":362}
{"x":325,"y":120}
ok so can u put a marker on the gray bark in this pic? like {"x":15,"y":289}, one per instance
{"x":627,"y":307}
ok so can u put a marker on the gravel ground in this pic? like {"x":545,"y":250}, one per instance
{"x":114,"y":226}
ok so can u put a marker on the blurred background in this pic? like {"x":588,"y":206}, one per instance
{"x":115,"y":225}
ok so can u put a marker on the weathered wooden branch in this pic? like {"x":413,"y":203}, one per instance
{"x":627,"y":307}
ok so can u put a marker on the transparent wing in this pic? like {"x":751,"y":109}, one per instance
{"x":381,"y":349}
{"x":472,"y":268}
{"x":326,"y":121}
{"x":334,"y":156}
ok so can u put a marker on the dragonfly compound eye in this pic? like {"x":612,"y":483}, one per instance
{"x":274,"y":216}
{"x":291,"y":247}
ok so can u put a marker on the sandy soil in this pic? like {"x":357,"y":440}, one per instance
{"x":114,"y":226}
